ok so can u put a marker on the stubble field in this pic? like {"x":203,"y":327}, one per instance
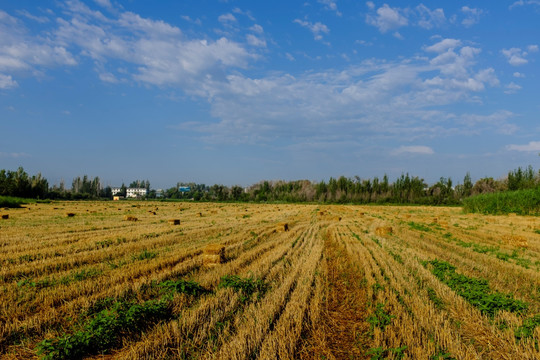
{"x":119,"y":280}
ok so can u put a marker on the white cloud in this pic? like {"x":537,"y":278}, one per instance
{"x":159,"y":51}
{"x":387,"y":18}
{"x":257,"y":29}
{"x":330,"y":5}
{"x":39,"y":19}
{"x":532,"y":48}
{"x":525,"y":2}
{"x":226,"y":18}
{"x":515,"y":56}
{"x":370,"y":5}
{"x":444,"y":45}
{"x":108,"y":77}
{"x":429,"y":19}
{"x":316,"y":28}
{"x":532,"y":146}
{"x":414,"y":149}
{"x":255,"y":41}
{"x":7,"y":82}
{"x":512,"y":88}
{"x":189,"y":19}
{"x":472,"y":16}
{"x":519,"y":75}
{"x":19,"y":52}
{"x":105,"y":3}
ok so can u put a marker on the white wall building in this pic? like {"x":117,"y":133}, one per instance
{"x":135,"y":192}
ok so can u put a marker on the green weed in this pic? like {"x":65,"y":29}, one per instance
{"x":475,"y":291}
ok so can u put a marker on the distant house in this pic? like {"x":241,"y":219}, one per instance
{"x":135,"y":192}
{"x":115,"y":190}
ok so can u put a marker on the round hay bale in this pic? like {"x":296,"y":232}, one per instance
{"x":130,"y":218}
{"x":70,"y":214}
{"x":5,"y":216}
{"x":282,"y":227}
{"x":199,"y":214}
{"x":174,"y":221}
{"x":384,"y":230}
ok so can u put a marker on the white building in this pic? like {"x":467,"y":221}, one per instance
{"x":135,"y":192}
{"x":115,"y":190}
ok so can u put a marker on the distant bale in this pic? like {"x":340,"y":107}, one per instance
{"x":213,"y":255}
{"x":130,"y":218}
{"x":443,"y":224}
{"x":174,"y":221}
{"x":361,"y":214}
{"x":282,"y":227}
{"x":199,"y":214}
{"x":384,"y":230}
{"x":70,"y":214}
{"x":5,"y":216}
{"x":516,"y":240}
{"x":337,"y":218}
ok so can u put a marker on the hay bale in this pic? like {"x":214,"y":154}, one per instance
{"x":282,"y":227}
{"x":337,"y":218}
{"x":516,"y":240}
{"x":174,"y":221}
{"x":5,"y":216}
{"x":70,"y":214}
{"x":384,"y":230}
{"x":130,"y":218}
{"x":199,"y":214}
{"x":213,"y":254}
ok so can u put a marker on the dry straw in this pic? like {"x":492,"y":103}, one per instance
{"x":383,"y":230}
{"x":282,"y":227}
{"x":213,"y":254}
{"x":174,"y":221}
{"x":130,"y":218}
{"x":516,"y":240}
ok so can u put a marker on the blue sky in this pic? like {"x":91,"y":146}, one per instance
{"x":233,"y":92}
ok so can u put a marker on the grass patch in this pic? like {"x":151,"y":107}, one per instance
{"x":475,"y":291}
{"x":245,"y":286}
{"x":420,"y":227}
{"x":13,"y":202}
{"x":380,"y":318}
{"x":521,"y":202}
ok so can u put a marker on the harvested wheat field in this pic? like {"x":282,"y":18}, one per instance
{"x":241,"y":281}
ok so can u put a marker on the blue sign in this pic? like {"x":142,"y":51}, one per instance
{"x":184,"y":189}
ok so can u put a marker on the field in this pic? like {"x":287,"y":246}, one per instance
{"x":119,"y":280}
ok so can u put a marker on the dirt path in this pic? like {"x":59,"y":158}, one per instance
{"x":343,"y":332}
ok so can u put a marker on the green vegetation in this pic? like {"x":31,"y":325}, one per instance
{"x":419,"y":227}
{"x":12,"y":202}
{"x":522,"y":202}
{"x":475,"y":291}
{"x":105,"y":329}
{"x":109,"y":320}
{"x":380,"y":318}
{"x":245,"y":286}
{"x":379,"y":353}
{"x":527,"y":329}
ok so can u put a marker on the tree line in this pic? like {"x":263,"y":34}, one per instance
{"x":406,"y":189}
